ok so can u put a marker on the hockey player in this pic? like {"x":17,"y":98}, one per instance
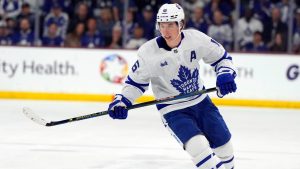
{"x":171,"y":63}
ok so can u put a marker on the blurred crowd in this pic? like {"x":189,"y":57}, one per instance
{"x":262,"y":25}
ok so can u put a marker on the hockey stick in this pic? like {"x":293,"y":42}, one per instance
{"x":30,"y":114}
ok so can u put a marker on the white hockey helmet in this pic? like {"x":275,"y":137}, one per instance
{"x":170,"y":13}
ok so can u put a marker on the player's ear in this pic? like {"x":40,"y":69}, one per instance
{"x":181,"y":24}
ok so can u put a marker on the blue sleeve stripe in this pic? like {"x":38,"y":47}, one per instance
{"x":219,"y":164}
{"x":228,"y":161}
{"x":146,"y":85}
{"x":224,"y":67}
{"x":225,"y":56}
{"x":138,"y":85}
{"x":234,"y":73}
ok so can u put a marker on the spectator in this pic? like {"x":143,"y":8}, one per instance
{"x":99,"y":5}
{"x":81,"y":15}
{"x":274,"y":27}
{"x":118,"y":9}
{"x":106,"y":24}
{"x":10,"y":8}
{"x":25,"y":36}
{"x":296,"y":43}
{"x":102,"y":4}
{"x":262,"y":10}
{"x":225,"y":6}
{"x":89,"y":3}
{"x":278,"y":44}
{"x":116,"y":42}
{"x":257,"y":45}
{"x":12,"y":26}
{"x":296,"y":32}
{"x":189,"y":7}
{"x":67,"y":6}
{"x":198,"y":21}
{"x":60,"y":18}
{"x":73,"y":39}
{"x":155,"y":4}
{"x":4,"y":38}
{"x":53,"y":38}
{"x":93,"y":5}
{"x":147,"y":22}
{"x":26,"y":13}
{"x":92,"y":37}
{"x":245,"y":28}
{"x":128,"y":27}
{"x":272,"y":14}
{"x":284,"y":10}
{"x":137,"y":40}
{"x":221,"y":31}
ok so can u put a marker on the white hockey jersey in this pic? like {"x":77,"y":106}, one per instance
{"x":175,"y":71}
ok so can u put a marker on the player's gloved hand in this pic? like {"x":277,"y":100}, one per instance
{"x":225,"y":84}
{"x":117,"y":108}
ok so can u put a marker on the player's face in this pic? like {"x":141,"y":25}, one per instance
{"x":169,"y":30}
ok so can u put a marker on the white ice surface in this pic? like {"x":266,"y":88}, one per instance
{"x":262,"y":138}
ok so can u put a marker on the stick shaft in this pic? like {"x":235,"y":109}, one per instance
{"x":54,"y":123}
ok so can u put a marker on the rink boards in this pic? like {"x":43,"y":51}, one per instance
{"x":264,"y":80}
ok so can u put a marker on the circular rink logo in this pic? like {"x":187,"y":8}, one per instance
{"x":114,"y":68}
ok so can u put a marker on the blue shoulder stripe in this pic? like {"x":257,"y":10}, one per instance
{"x":138,"y":85}
{"x":225,"y":56}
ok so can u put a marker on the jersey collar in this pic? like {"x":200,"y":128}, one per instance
{"x":161,"y":42}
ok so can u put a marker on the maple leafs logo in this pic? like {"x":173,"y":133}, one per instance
{"x":187,"y":82}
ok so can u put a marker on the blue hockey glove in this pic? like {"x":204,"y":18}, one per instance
{"x":117,"y":108}
{"x":225,"y":84}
